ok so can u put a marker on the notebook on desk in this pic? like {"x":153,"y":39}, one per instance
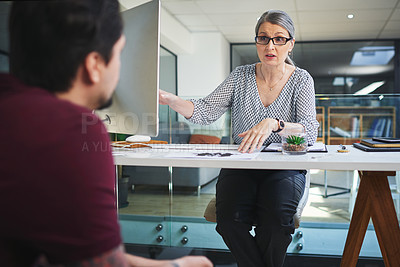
{"x":375,"y":149}
{"x":375,"y":142}
{"x":276,"y":147}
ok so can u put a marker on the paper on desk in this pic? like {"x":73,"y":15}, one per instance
{"x":315,"y":148}
{"x":214,"y":154}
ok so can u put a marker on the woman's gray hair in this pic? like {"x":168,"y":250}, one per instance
{"x":281,"y":18}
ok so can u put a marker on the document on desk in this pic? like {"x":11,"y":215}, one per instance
{"x":213,"y":154}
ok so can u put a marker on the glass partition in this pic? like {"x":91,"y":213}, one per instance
{"x":145,"y":193}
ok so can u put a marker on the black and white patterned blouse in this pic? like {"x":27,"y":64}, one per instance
{"x":295,"y":103}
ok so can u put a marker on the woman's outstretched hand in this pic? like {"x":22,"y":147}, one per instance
{"x":181,"y":106}
{"x":256,"y":136}
{"x":165,"y":98}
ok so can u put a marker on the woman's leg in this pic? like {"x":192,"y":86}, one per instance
{"x":236,"y":198}
{"x":278,"y":196}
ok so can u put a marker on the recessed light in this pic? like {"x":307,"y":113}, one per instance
{"x":350,"y":16}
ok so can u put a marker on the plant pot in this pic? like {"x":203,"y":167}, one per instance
{"x":294,"y":148}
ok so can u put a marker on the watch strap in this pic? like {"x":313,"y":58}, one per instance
{"x":281,"y":125}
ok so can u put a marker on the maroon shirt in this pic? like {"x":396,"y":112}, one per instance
{"x":56,"y":179}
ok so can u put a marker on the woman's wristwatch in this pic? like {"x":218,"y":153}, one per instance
{"x":281,"y":125}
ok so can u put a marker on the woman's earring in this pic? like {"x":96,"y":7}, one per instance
{"x":290,"y":53}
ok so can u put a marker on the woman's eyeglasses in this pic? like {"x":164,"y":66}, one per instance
{"x":264,"y":40}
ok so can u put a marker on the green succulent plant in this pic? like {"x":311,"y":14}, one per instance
{"x":295,"y":140}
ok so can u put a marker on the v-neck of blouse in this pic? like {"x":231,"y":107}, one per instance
{"x":280,"y":94}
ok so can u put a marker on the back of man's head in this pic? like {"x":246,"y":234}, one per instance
{"x":50,"y":39}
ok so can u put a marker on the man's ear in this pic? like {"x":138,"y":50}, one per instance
{"x":93,"y":65}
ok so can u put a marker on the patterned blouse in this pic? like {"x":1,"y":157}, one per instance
{"x":295,"y":103}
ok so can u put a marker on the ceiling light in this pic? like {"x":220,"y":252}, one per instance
{"x":369,"y":88}
{"x":350,"y":16}
{"x":372,"y":55}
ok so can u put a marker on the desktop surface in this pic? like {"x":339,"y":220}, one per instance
{"x":333,"y":160}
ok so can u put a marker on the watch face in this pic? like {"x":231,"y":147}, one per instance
{"x":281,"y":124}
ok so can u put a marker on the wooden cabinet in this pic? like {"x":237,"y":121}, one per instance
{"x":321,"y":120}
{"x":347,"y":125}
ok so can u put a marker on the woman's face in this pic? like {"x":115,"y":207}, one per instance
{"x":271,"y":54}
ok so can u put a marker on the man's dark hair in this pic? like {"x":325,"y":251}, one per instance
{"x":50,"y":39}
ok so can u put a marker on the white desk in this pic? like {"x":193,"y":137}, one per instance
{"x":374,"y":199}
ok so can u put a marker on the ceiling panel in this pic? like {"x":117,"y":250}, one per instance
{"x":240,"y":38}
{"x":396,"y":14}
{"x":318,"y":5}
{"x":389,"y":34}
{"x":335,"y":36}
{"x":205,"y":28}
{"x":240,"y":6}
{"x":246,"y":19}
{"x":392,"y":25}
{"x":239,"y":30}
{"x":194,"y":20}
{"x":180,"y":7}
{"x":340,"y":16}
{"x":370,"y":27}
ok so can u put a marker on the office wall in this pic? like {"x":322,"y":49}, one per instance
{"x":201,"y":71}
{"x":203,"y":58}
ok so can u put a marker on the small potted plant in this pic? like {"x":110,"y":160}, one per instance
{"x":294,"y":144}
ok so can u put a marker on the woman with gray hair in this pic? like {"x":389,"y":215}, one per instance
{"x":267,"y":100}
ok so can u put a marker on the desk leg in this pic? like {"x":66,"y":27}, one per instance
{"x":374,"y":200}
{"x":358,"y":227}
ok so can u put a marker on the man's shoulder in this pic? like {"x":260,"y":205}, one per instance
{"x":37,"y":118}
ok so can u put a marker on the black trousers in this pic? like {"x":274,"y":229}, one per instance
{"x":265,"y":198}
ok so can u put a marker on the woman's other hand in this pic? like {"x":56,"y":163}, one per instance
{"x":256,"y":136}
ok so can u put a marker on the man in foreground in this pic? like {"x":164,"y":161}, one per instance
{"x":57,"y":180}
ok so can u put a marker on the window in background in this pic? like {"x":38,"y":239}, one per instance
{"x":351,"y":67}
{"x":346,"y":74}
{"x":356,"y":68}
